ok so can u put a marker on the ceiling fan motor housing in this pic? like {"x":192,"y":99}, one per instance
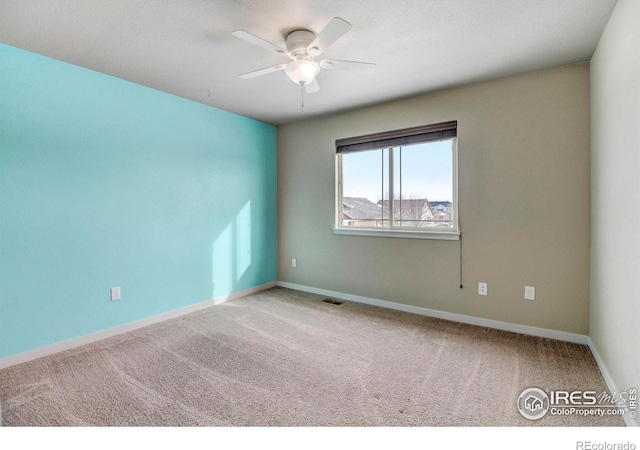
{"x":298,"y":41}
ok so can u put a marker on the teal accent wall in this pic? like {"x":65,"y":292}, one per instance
{"x":107,"y":183}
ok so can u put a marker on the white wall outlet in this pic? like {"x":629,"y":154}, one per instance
{"x":294,"y":263}
{"x":529,"y":293}
{"x":482,"y":288}
{"x":115,"y":293}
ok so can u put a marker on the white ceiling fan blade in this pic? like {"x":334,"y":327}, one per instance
{"x":257,"y":73}
{"x":259,"y":41}
{"x":331,"y":33}
{"x":348,"y":66}
{"x":312,"y":87}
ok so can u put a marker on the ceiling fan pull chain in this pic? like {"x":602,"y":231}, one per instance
{"x":301,"y":98}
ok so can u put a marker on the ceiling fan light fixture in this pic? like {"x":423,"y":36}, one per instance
{"x":302,"y":71}
{"x":303,"y":46}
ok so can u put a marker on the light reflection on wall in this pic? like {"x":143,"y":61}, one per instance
{"x":243,"y":239}
{"x":232,"y":253}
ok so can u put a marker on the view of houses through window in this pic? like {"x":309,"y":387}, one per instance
{"x":414,"y":182}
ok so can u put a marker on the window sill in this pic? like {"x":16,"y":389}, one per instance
{"x":404,"y":234}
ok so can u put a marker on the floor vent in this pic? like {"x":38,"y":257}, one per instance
{"x":333,"y":302}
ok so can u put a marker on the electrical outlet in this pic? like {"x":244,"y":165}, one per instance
{"x":294,"y":263}
{"x":529,"y":293}
{"x":482,"y":288}
{"x":115,"y":293}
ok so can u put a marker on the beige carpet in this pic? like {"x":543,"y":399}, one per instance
{"x":286,"y":358}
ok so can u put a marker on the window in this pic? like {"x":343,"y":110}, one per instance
{"x":400,"y":183}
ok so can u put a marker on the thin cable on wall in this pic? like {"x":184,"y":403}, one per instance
{"x":460,"y":247}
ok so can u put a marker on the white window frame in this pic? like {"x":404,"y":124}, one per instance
{"x":394,"y":231}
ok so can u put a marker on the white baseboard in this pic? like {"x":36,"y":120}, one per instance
{"x":609,"y":381}
{"x":498,"y":325}
{"x":88,"y":339}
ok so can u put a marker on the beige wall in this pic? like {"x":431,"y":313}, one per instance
{"x":615,"y":191}
{"x":524,"y":204}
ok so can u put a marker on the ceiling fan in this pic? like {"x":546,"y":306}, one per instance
{"x":303,"y":46}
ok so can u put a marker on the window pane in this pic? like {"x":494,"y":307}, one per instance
{"x":426,"y":197}
{"x":415,"y":181}
{"x":384,"y":193}
{"x":362,"y":188}
{"x":397,"y":188}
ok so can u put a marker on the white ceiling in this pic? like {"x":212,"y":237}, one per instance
{"x":185,"y":47}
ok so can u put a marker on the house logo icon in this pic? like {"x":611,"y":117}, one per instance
{"x":533,"y":403}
